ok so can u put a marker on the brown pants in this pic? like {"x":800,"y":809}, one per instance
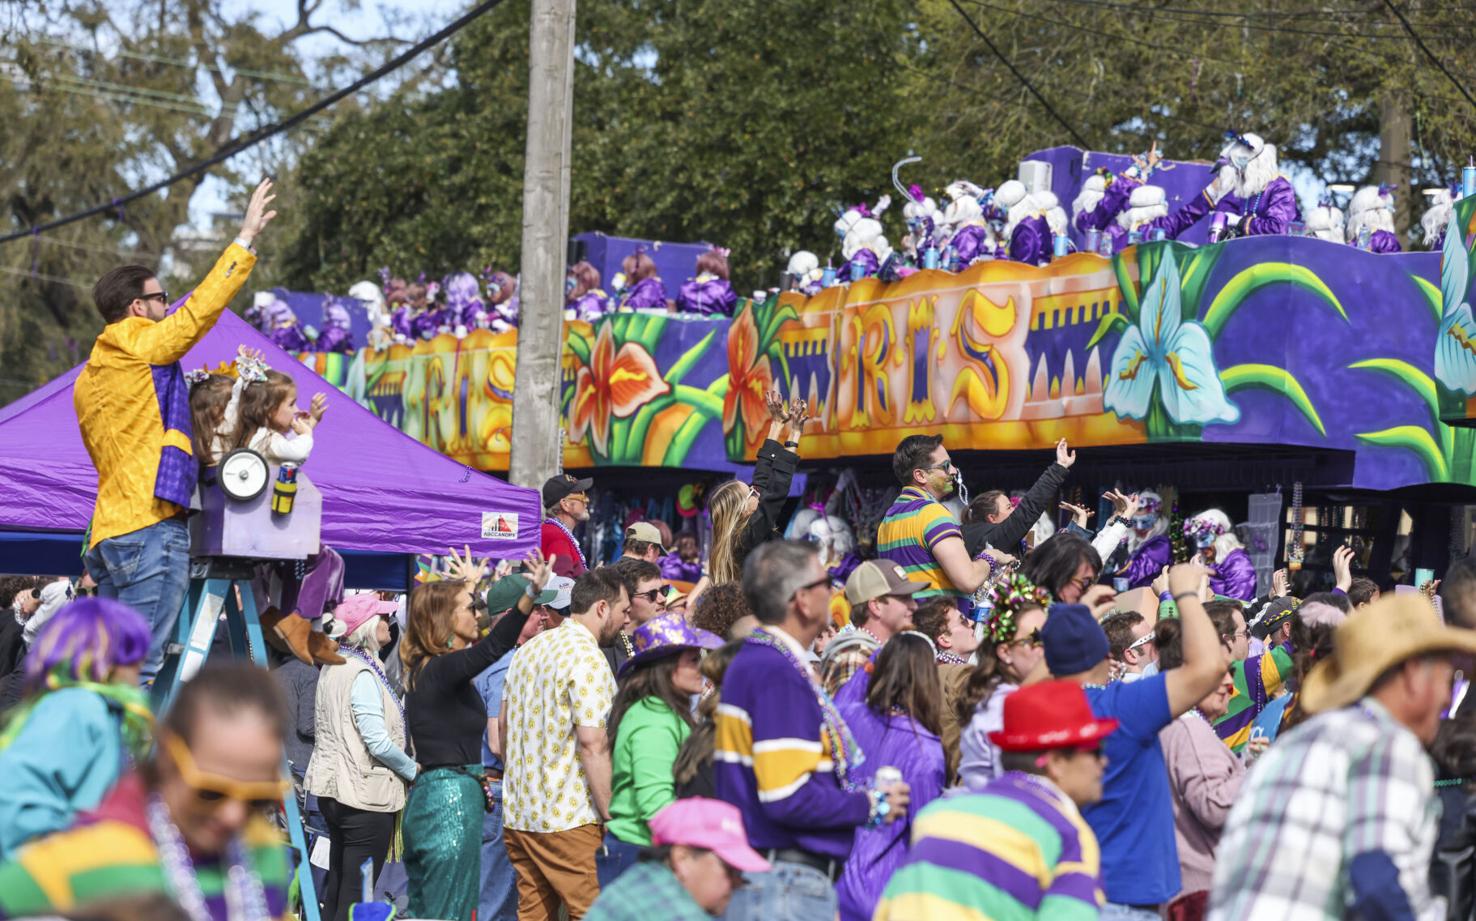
{"x":555,"y":867}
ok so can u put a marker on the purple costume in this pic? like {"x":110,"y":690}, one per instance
{"x":1270,"y":211}
{"x":427,"y":323}
{"x":464,"y":305}
{"x":674,"y":567}
{"x":899,"y":742}
{"x":1030,"y":242}
{"x":707,"y":296}
{"x":336,"y":335}
{"x":870,"y":265}
{"x":648,"y":293}
{"x":1148,"y":561}
{"x":590,"y":306}
{"x":400,"y":322}
{"x":1235,"y":576}
{"x":1382,"y":241}
{"x":970,"y":244}
{"x":1103,"y":217}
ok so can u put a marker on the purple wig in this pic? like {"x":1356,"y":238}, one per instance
{"x":86,"y":640}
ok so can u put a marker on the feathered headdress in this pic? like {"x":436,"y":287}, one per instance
{"x":1011,"y":596}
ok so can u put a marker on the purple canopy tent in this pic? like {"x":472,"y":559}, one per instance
{"x":383,"y":491}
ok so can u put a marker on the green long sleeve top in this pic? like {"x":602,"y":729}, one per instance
{"x":641,"y":784}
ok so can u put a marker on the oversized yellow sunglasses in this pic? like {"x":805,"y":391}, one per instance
{"x":213,"y":789}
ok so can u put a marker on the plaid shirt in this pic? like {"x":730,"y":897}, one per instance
{"x":1345,"y":783}
{"x":644,"y":892}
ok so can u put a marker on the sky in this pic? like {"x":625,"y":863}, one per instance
{"x":357,"y":20}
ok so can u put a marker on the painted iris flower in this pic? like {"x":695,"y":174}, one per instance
{"x":1167,"y":357}
{"x":1455,"y":349}
{"x":614,"y":385}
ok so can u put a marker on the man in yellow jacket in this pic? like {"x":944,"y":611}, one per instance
{"x":132,"y":404}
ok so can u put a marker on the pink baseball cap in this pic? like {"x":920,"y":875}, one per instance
{"x":710,"y":824}
{"x":355,"y":610}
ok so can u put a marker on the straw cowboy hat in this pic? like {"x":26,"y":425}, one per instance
{"x":1373,"y":640}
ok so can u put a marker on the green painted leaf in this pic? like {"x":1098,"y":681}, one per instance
{"x":719,"y":387}
{"x":1416,"y":380}
{"x":1431,"y":291}
{"x":1413,"y":438}
{"x":689,"y":359}
{"x":641,"y":423}
{"x":1105,"y":326}
{"x":1235,"y":291}
{"x":1275,"y":379}
{"x":580,"y":347}
{"x":1125,"y":284}
{"x":685,"y":437}
{"x":700,"y":400}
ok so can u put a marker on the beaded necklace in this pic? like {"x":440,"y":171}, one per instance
{"x":577,"y":549}
{"x":373,"y":663}
{"x":244,"y":896}
{"x":845,"y":754}
{"x":625,"y":642}
{"x":948,"y":658}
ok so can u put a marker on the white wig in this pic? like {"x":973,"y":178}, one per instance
{"x":1325,"y":222}
{"x":1091,"y":194}
{"x":1226,"y":541}
{"x":1160,"y":522}
{"x":803,"y":262}
{"x":1017,"y":202}
{"x":1146,"y":203}
{"x":1371,"y":207}
{"x":1437,"y":217}
{"x":1259,"y":171}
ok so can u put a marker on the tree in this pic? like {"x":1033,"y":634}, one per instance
{"x":725,"y":121}
{"x":100,"y":99}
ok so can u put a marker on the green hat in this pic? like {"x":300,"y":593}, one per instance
{"x":505,"y":592}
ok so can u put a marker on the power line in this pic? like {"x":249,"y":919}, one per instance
{"x":1076,"y":135}
{"x":1428,"y":53}
{"x":248,"y":141}
{"x":1195,"y":17}
{"x":174,"y":62}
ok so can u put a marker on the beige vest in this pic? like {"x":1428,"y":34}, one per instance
{"x":341,"y":766}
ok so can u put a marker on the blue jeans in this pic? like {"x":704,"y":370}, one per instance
{"x":498,"y":900}
{"x":614,"y":858}
{"x":789,"y":892}
{"x":148,"y":570}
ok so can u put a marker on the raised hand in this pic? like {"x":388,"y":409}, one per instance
{"x":1079,"y":514}
{"x":465,"y":568}
{"x":1100,"y":598}
{"x":539,"y":570}
{"x":778,"y":410}
{"x":257,"y":215}
{"x":1342,"y":564}
{"x":318,"y":407}
{"x":1280,"y":584}
{"x":1064,"y":455}
{"x":1123,"y":506}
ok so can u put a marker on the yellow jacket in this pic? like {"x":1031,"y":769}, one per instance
{"x":132,"y":405}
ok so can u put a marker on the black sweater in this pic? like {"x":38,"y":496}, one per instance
{"x":444,"y":712}
{"x":772,"y":475}
{"x":1006,"y":535}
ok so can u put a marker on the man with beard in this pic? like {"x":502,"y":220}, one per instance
{"x":920,"y":533}
{"x":556,"y":789}
{"x":566,"y":504}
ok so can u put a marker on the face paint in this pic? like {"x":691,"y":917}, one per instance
{"x":1204,"y":541}
{"x":1144,"y":522}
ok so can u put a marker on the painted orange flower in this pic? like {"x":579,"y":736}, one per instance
{"x":614,"y":385}
{"x":749,"y":378}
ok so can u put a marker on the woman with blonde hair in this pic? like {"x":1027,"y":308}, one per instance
{"x":745,"y":515}
{"x":442,"y":655}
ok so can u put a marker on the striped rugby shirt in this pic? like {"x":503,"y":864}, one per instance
{"x":1017,"y":849}
{"x":914,"y":525}
{"x":771,"y":758}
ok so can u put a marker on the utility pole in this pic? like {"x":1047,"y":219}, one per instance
{"x":537,"y":441}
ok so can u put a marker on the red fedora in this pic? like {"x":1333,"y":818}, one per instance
{"x":1052,"y":714}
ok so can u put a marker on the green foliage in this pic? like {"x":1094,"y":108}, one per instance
{"x":1276,"y":380}
{"x":734,"y":121}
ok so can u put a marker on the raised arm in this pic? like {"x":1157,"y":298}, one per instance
{"x":1204,"y":657}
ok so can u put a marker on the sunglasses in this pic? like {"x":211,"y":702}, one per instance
{"x":651,"y":595}
{"x":160,"y":296}
{"x":824,"y":580}
{"x":1031,"y":639}
{"x":1144,"y":640}
{"x":1094,"y":750}
{"x":212,"y":790}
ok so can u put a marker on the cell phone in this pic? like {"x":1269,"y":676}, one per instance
{"x":1423,"y":576}
{"x":1120,"y":584}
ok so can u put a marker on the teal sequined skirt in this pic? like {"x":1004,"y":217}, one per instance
{"x":443,"y":840}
